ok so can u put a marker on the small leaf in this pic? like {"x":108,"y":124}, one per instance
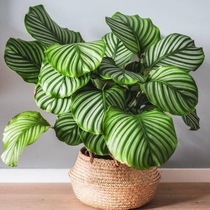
{"x":56,"y":85}
{"x":176,"y":50}
{"x":95,"y":143}
{"x":40,"y":25}
{"x":131,"y":98}
{"x":116,"y":50}
{"x":133,"y":66}
{"x":172,"y":90}
{"x":51,"y":104}
{"x":75,"y":60}
{"x":109,"y":70}
{"x":22,"y":130}
{"x":192,"y":120}
{"x":140,"y":141}
{"x":136,"y":33}
{"x":25,"y":58}
{"x":67,"y":130}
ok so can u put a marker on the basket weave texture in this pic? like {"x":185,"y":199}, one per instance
{"x":102,"y":184}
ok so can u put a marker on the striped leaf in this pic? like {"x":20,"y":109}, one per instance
{"x":142,"y":140}
{"x":192,"y":120}
{"x":109,"y":70}
{"x":57,"y":85}
{"x":51,"y":104}
{"x":136,"y":33}
{"x":75,"y":60}
{"x":133,"y":66}
{"x":22,"y":130}
{"x":89,"y":105}
{"x":171,"y":89}
{"x":131,"y":98}
{"x":177,"y":50}
{"x":99,"y":83}
{"x":116,"y":50}
{"x":95,"y":143}
{"x":67,"y":130}
{"x":25,"y":58}
{"x":40,"y":26}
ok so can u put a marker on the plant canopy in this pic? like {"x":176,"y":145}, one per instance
{"x":116,"y":95}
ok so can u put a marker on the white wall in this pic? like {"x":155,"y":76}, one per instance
{"x":189,"y":17}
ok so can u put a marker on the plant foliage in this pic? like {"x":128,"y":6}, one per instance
{"x":115,"y":95}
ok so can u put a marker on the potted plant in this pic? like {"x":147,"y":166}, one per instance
{"x":114,"y":95}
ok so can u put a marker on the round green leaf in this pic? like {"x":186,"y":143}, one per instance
{"x":25,"y":58}
{"x":172,"y":90}
{"x":136,"y":33}
{"x":57,"y":85}
{"x":109,"y":70}
{"x":67,"y":130}
{"x":176,"y":50}
{"x":89,"y":105}
{"x":140,"y":141}
{"x":95,"y":143}
{"x":75,"y":60}
{"x":51,"y":104}
{"x":22,"y":130}
{"x":192,"y":120}
{"x":116,"y":50}
{"x":40,"y":25}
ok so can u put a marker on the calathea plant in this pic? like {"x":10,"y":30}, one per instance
{"x":115,"y":95}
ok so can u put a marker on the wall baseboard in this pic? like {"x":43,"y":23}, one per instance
{"x":61,"y":175}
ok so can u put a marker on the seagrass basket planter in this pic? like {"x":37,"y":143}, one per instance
{"x":106,"y":184}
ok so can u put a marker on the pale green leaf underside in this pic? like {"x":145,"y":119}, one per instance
{"x":95,"y":143}
{"x":51,"y":104}
{"x":176,"y":50}
{"x":25,"y":58}
{"x":40,"y":25}
{"x":75,"y":60}
{"x":57,"y":85}
{"x":116,"y":50}
{"x":136,"y":33}
{"x":109,"y":70}
{"x":140,"y":141}
{"x":22,"y":130}
{"x":192,"y":120}
{"x":88,"y":106}
{"x":171,"y":89}
{"x":67,"y":130}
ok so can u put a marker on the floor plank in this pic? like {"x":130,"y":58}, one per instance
{"x":170,"y":196}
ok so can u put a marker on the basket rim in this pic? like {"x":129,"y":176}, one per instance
{"x":100,"y":165}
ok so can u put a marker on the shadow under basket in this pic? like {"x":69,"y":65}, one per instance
{"x":101,"y":183}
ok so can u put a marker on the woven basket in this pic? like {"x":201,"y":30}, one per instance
{"x":102,"y":184}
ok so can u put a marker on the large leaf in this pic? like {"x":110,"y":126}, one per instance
{"x":40,"y":25}
{"x":57,"y":85}
{"x":192,"y":120}
{"x":172,"y":90}
{"x":67,"y":130}
{"x":177,"y":50}
{"x":22,"y":130}
{"x":95,"y":143}
{"x":25,"y":58}
{"x":109,"y":70}
{"x":75,"y":60}
{"x":136,"y":33}
{"x":142,"y":140}
{"x":89,"y":105}
{"x":116,"y":50}
{"x":51,"y":104}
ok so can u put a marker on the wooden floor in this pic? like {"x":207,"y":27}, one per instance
{"x":181,"y":196}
